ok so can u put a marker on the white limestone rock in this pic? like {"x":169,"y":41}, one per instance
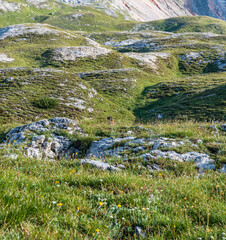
{"x":74,"y":53}
{"x":99,"y":164}
{"x":40,"y":146}
{"x":5,"y":58}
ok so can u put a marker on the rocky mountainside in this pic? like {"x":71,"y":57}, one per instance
{"x":140,"y":10}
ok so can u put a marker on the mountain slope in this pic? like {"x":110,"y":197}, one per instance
{"x":146,"y":10}
{"x":95,"y":75}
{"x":139,"y":10}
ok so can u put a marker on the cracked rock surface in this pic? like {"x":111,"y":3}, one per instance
{"x":43,"y":141}
{"x":148,"y":149}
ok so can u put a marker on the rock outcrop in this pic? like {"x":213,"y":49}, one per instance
{"x":140,"y":148}
{"x":42,"y":139}
{"x":74,"y":53}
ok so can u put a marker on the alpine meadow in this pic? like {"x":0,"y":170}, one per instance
{"x":112,"y":120}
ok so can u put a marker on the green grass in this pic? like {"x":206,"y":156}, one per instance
{"x":89,"y":20}
{"x":45,"y":103}
{"x":186,"y":24}
{"x":29,"y":85}
{"x":64,"y":16}
{"x":198,"y":97}
{"x":63,"y":200}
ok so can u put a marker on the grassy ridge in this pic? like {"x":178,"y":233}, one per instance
{"x":186,"y":24}
{"x":198,"y":97}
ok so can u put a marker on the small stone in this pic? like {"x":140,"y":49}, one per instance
{"x":223,"y":169}
{"x":99,"y":164}
{"x":139,"y":232}
{"x":223,"y":127}
{"x":160,"y":116}
{"x":56,"y":147}
{"x":121,"y":166}
{"x":11,"y":156}
{"x":47,"y":145}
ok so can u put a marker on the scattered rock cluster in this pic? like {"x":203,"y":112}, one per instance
{"x":140,"y":148}
{"x":42,"y":140}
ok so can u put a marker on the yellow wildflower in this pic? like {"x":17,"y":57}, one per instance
{"x":100,"y":203}
{"x":119,"y":205}
{"x":60,"y":204}
{"x":97,"y":230}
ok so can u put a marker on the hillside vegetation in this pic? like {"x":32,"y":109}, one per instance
{"x":134,"y":147}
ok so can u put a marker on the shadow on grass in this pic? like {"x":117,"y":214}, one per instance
{"x":179,"y":102}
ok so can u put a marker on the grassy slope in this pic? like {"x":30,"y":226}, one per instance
{"x":200,"y":97}
{"x":64,"y":16}
{"x":186,"y":24}
{"x":29,"y":14}
{"x":129,"y":86}
{"x":50,"y":200}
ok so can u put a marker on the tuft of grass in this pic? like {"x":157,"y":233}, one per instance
{"x":45,"y":103}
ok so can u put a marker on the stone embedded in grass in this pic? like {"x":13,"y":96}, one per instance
{"x":139,"y":149}
{"x":223,"y":169}
{"x":74,"y":53}
{"x":105,"y":146}
{"x":5,"y":58}
{"x":43,"y":138}
{"x":118,"y":146}
{"x":223,"y":126}
{"x":202,"y":160}
{"x":11,"y":156}
{"x":99,"y":164}
{"x":139,"y":232}
{"x":153,"y":167}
